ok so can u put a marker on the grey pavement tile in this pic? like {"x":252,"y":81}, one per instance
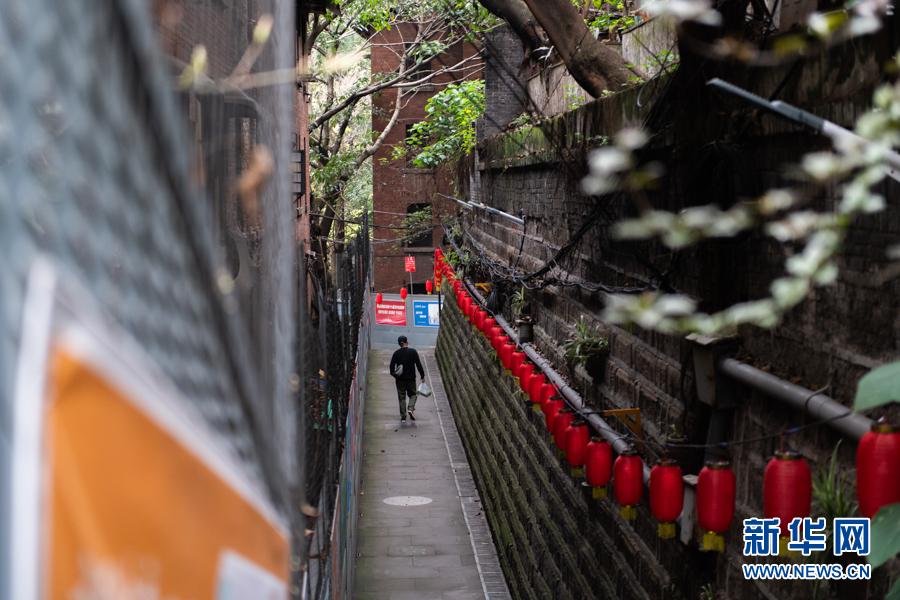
{"x":418,"y":552}
{"x":411,"y":550}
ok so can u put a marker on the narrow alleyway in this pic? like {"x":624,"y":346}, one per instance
{"x":422,"y":534}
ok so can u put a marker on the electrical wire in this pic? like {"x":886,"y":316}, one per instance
{"x":723,"y":445}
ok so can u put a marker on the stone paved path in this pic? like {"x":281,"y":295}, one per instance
{"x":441,"y":550}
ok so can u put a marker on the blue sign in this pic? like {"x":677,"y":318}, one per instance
{"x":426,"y":314}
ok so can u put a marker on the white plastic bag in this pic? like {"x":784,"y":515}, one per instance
{"x":424,"y":389}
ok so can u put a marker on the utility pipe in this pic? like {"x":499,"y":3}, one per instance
{"x":618,"y":441}
{"x":819,"y":406}
{"x":490,"y":209}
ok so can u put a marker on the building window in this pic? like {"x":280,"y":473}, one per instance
{"x":419,"y":72}
{"x":423,"y":239}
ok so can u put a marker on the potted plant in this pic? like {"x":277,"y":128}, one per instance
{"x":588,"y":348}
{"x":524,"y":322}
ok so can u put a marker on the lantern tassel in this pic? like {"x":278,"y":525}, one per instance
{"x":713,"y":542}
{"x":628,"y":512}
{"x":665,"y":531}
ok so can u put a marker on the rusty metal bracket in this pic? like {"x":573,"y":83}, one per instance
{"x":631,"y":417}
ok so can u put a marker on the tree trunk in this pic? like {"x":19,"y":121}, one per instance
{"x":594,"y":66}
{"x":519,"y":18}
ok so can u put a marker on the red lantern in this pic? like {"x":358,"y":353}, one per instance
{"x":551,"y":410}
{"x":563,"y":419}
{"x":666,"y":496}
{"x":403,"y":293}
{"x":489,"y":323}
{"x":429,"y":287}
{"x":518,"y":357}
{"x":548,"y":390}
{"x":628,"y":483}
{"x":457,"y":284}
{"x":715,"y":502}
{"x":787,"y":488}
{"x":878,"y":468}
{"x":577,"y":437}
{"x":598,"y":466}
{"x":379,"y":298}
{"x":480,"y":316}
{"x":534,"y":390}
{"x":438,"y":253}
{"x":495,"y":335}
{"x":506,"y":353}
{"x":526,"y":371}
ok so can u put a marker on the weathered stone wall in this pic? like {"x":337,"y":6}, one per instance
{"x":714,"y":151}
{"x":554,"y":540}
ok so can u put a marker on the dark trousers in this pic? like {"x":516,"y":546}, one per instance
{"x":406,"y":387}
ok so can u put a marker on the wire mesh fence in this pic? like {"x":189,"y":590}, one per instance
{"x":333,"y":414}
{"x":133,"y":185}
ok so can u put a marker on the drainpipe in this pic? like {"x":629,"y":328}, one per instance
{"x":487,"y":209}
{"x":845,"y":421}
{"x":618,"y":442}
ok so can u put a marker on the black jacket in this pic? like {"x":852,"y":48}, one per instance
{"x":409,"y":358}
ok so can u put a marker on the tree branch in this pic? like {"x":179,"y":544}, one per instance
{"x":595,"y":66}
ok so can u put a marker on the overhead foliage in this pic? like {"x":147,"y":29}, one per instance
{"x":448,"y":131}
{"x":341,"y":136}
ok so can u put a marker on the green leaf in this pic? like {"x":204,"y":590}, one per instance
{"x":885,"y":535}
{"x":879,"y":386}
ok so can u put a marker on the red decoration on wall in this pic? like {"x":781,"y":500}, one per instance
{"x":561,"y":423}
{"x":628,"y":482}
{"x":429,"y":286}
{"x":666,"y":496}
{"x":404,"y":293}
{"x":534,"y":388}
{"x":548,"y":390}
{"x":878,"y":468}
{"x":787,"y":488}
{"x":578,"y":435}
{"x":506,"y":353}
{"x":598,"y":465}
{"x":379,"y":298}
{"x":526,"y":371}
{"x":495,"y":335}
{"x":715,"y":502}
{"x":489,"y":323}
{"x":518,"y":357}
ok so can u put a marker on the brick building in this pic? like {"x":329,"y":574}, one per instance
{"x":400,"y":188}
{"x":551,"y":530}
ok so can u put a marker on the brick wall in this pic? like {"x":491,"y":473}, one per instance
{"x":503,"y":81}
{"x":713,"y":150}
{"x":554,"y":540}
{"x":396,"y":184}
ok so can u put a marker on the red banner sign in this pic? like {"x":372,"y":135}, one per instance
{"x":391,"y":312}
{"x":410,"y":264}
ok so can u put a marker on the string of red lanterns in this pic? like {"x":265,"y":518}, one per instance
{"x":787,"y":481}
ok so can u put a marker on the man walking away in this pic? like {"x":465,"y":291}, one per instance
{"x":403,"y":367}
